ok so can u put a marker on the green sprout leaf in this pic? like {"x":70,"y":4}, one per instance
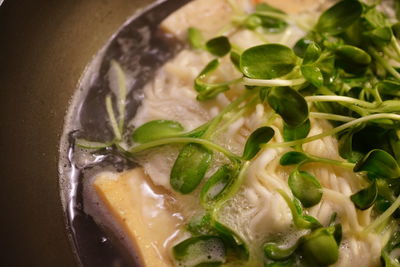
{"x":206,"y":225}
{"x":233,"y":242}
{"x":206,"y":250}
{"x":305,"y":187}
{"x":300,"y":221}
{"x":216,"y":184}
{"x":388,"y":87}
{"x":199,"y":83}
{"x":293,"y":158}
{"x":301,"y":46}
{"x":195,"y":38}
{"x":379,"y":163}
{"x":235,"y":59}
{"x":262,"y":19}
{"x":207,"y":90}
{"x":380,"y":36}
{"x":289,"y":104}
{"x":274,"y":252}
{"x":353,"y":54}
{"x":212,"y":92}
{"x":200,"y":224}
{"x":260,"y":136}
{"x":365,"y":198}
{"x":313,"y":75}
{"x":346,"y":145}
{"x":320,"y":247}
{"x":312,"y":53}
{"x":375,"y":19}
{"x":267,"y":61}
{"x":156,"y":129}
{"x":219,"y":46}
{"x":339,"y":17}
{"x":189,"y":168}
{"x":296,"y":132}
{"x":396,"y":30}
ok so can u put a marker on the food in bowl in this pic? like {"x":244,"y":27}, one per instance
{"x":271,"y":139}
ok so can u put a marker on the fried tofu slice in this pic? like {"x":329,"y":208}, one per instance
{"x":291,"y":6}
{"x":210,"y":16}
{"x":140,"y":212}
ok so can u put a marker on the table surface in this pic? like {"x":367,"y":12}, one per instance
{"x":44,"y":48}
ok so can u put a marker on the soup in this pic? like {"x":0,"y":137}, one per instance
{"x":268,"y":139}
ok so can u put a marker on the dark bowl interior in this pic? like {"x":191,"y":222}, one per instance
{"x":140,"y":47}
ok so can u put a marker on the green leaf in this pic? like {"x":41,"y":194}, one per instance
{"x":199,"y":83}
{"x":388,"y":261}
{"x":206,"y":250}
{"x":219,"y":46}
{"x":289,"y":104}
{"x":208,"y":90}
{"x":296,"y":132}
{"x":267,"y":61}
{"x":264,"y":93}
{"x":200,"y":224}
{"x":380,"y":36}
{"x":328,"y":68}
{"x":339,"y":17}
{"x":312,"y":53}
{"x":338,"y":234}
{"x":274,"y":252}
{"x":320,"y":247}
{"x":195,"y":38}
{"x":388,"y":87}
{"x":379,"y":163}
{"x":233,"y":242}
{"x":396,"y":30}
{"x":353,"y":54}
{"x":394,"y":141}
{"x":300,"y":221}
{"x":260,"y":18}
{"x":156,"y":129}
{"x":375,"y":19}
{"x":216,"y":184}
{"x":365,"y":198}
{"x":305,"y":187}
{"x":212,"y":91}
{"x":313,"y":75}
{"x":262,"y":7}
{"x":346,"y":145}
{"x":190,"y":167}
{"x":293,"y":158}
{"x":252,"y":22}
{"x":301,"y":46}
{"x":235,"y":59}
{"x":256,"y":139}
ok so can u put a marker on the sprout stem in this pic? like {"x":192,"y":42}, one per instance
{"x":183,"y":140}
{"x":121,"y":98}
{"x":384,"y":63}
{"x":346,"y":99}
{"x":384,"y":216}
{"x":332,"y":117}
{"x":273,"y":82}
{"x":111,"y":116}
{"x":82,"y":143}
{"x":335,"y":130}
{"x":234,"y":187}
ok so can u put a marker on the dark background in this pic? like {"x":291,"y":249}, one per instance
{"x":44,"y":48}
